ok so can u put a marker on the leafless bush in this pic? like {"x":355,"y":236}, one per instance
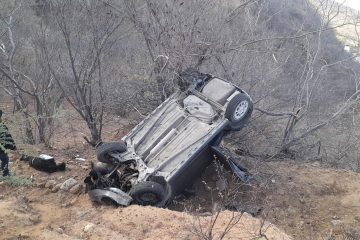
{"x":229,"y":193}
{"x":27,"y":78}
{"x":118,"y":57}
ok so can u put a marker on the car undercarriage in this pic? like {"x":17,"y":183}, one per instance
{"x":167,"y":150}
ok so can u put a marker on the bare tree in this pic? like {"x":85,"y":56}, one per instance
{"x":12,"y":84}
{"x":110,"y":57}
{"x":79,"y":65}
{"x":31,"y":82}
{"x":311,"y":78}
{"x":175,"y":36}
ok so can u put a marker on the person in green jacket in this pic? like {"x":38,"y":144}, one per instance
{"x":6,"y":143}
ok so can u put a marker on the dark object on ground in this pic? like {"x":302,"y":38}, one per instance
{"x":43,"y":163}
{"x":165,"y":152}
{"x":228,"y":159}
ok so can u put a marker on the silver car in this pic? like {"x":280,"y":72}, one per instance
{"x":166,"y":151}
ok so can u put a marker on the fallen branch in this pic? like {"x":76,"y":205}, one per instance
{"x":276,"y":114}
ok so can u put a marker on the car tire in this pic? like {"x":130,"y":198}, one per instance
{"x":103,"y":150}
{"x":238,"y":111}
{"x":103,"y":168}
{"x":148,"y":193}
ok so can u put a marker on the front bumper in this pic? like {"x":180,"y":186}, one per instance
{"x":114,"y":194}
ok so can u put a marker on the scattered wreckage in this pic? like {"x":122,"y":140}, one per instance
{"x":165,"y":152}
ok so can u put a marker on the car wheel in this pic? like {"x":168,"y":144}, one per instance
{"x":105,"y":149}
{"x":103,"y":168}
{"x":238,"y":111}
{"x":148,"y":193}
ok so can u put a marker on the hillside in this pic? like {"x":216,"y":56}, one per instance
{"x":306,"y":201}
{"x":346,"y":20}
{"x":74,"y":73}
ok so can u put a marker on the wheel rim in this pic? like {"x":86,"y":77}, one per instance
{"x":241,"y":110}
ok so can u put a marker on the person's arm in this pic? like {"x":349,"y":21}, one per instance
{"x":10,"y":142}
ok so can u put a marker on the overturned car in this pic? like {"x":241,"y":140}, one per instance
{"x":165,"y":152}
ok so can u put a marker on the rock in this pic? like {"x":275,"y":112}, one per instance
{"x":56,"y":188}
{"x":302,"y":201}
{"x":336,"y":222}
{"x":89,"y":228}
{"x":60,"y":230}
{"x":69,"y":203}
{"x":43,"y":179}
{"x":68,"y":184}
{"x":76,"y":189}
{"x":85,"y":167}
{"x":40,"y":184}
{"x":291,"y":210}
{"x":50,"y":184}
{"x":35,"y":219}
{"x":301,"y":224}
{"x":315,"y":164}
{"x":65,"y":205}
{"x":281,"y":192}
{"x":72,"y":202}
{"x":47,"y":191}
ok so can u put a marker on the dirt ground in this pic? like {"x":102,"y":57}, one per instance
{"x":40,"y":217}
{"x":306,"y":201}
{"x":39,"y":212}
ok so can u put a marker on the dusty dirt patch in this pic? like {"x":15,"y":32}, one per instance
{"x":306,"y":201}
{"x":314,"y":203}
{"x":32,"y":217}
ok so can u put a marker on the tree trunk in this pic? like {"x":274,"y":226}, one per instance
{"x":29,"y":136}
{"x":95,"y":134}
